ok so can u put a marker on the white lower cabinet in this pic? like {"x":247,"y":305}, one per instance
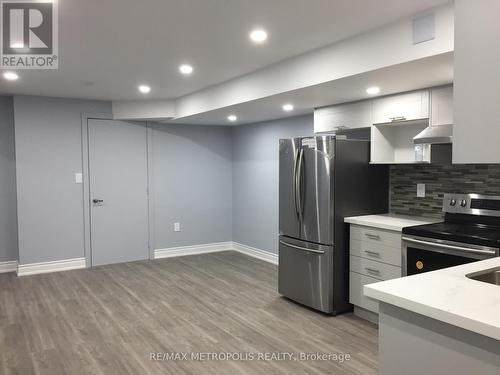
{"x":375,"y":269}
{"x":356,"y":296}
{"x":375,"y":256}
{"x":376,"y":251}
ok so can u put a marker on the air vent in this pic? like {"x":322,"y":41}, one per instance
{"x":423,"y":28}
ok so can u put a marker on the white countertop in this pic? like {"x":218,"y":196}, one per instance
{"x":389,"y":221}
{"x":447,"y":295}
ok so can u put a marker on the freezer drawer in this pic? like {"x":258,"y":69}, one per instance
{"x":306,"y":273}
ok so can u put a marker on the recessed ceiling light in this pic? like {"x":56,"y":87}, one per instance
{"x":232,"y":118}
{"x":11,"y":76}
{"x":258,"y":35}
{"x":144,"y":89}
{"x":186,"y":69}
{"x":288,"y":107}
{"x":373,"y":90}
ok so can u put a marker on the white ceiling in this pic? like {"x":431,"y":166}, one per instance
{"x":108,"y":47}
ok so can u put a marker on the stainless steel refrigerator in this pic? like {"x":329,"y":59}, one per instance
{"x":323,"y":179}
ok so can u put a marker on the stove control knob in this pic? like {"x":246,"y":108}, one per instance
{"x":463,"y":203}
{"x":453,"y":202}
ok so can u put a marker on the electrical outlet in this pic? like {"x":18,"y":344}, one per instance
{"x":421,"y":190}
{"x":177,"y":227}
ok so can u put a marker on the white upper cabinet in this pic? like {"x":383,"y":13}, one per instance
{"x":442,"y":106}
{"x":401,"y":107}
{"x":476,"y":127}
{"x":399,"y":118}
{"x":342,"y":116}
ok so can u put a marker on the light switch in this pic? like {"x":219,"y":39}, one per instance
{"x":78,"y":178}
{"x":421,"y":190}
{"x":177,"y":227}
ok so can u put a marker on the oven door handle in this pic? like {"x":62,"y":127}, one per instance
{"x":451,"y":247}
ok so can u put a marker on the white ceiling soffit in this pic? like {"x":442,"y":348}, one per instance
{"x":427,"y":72}
{"x":348,"y":66}
{"x":154,"y":109}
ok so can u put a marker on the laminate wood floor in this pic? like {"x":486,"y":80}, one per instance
{"x":108,"y":320}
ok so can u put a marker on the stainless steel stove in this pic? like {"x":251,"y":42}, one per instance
{"x":470,"y":232}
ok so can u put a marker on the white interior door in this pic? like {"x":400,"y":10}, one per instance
{"x":118,"y":191}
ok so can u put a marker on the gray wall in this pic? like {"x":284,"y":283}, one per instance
{"x":8,"y":209}
{"x":255,"y":179}
{"x":48,"y":154}
{"x":192,"y":184}
{"x":220,"y":183}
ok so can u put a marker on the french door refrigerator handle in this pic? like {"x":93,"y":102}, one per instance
{"x":301,"y":248}
{"x":299,"y":185}
{"x":295,"y":159}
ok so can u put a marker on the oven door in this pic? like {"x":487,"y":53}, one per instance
{"x":425,"y":254}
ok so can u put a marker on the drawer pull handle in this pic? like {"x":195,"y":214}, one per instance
{"x":373,"y":253}
{"x":398,"y":118}
{"x":372,"y":270}
{"x":372,"y":236}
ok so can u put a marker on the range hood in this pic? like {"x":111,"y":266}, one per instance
{"x":438,"y":134}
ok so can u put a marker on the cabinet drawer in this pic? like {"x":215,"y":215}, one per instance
{"x":356,"y":296}
{"x":376,"y":251}
{"x":376,"y":236}
{"x":374,"y":269}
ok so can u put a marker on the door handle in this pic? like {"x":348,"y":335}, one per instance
{"x":97,"y":201}
{"x":296,"y":158}
{"x":301,"y":248}
{"x":299,"y":185}
{"x":486,"y":250}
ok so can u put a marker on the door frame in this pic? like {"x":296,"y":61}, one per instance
{"x":85,"y":117}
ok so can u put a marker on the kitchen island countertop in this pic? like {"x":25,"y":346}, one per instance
{"x":447,"y":295}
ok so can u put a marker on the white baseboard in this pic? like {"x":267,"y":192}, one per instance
{"x":72,"y":264}
{"x":8,"y":266}
{"x":216,"y":247}
{"x":45,"y":267}
{"x":180,"y":251}
{"x":256,"y":253}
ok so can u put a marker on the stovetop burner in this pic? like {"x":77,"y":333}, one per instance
{"x":475,"y":234}
{"x":470,"y":218}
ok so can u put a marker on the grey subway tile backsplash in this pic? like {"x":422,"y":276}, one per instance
{"x":438,"y":179}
